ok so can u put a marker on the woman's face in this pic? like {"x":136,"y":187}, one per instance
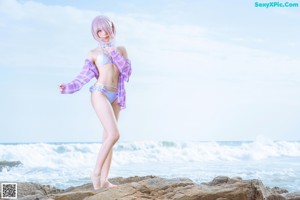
{"x":103,"y":35}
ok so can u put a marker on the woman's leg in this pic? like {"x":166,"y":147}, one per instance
{"x":107,"y":163}
{"x":105,"y":113}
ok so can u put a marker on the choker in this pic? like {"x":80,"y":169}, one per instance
{"x":111,"y":43}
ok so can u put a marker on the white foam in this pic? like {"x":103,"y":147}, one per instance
{"x":63,"y":165}
{"x":78,"y":155}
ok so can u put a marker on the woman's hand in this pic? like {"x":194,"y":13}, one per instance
{"x":61,"y":88}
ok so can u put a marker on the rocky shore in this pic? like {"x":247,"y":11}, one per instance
{"x":153,"y":187}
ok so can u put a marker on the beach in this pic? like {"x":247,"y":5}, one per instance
{"x":65,"y":165}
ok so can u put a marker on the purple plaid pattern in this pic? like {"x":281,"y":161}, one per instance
{"x":124,"y":66}
{"x":90,"y":71}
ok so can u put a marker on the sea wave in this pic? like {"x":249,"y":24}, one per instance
{"x":63,"y":164}
{"x":78,"y":154}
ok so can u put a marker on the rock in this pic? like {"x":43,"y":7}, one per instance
{"x":32,"y":191}
{"x":218,"y":180}
{"x":9,"y":164}
{"x":72,"y":195}
{"x":153,"y":187}
{"x":293,"y":196}
{"x":278,"y":190}
{"x":33,"y":197}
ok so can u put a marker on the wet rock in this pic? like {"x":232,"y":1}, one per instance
{"x":156,"y":188}
{"x":293,"y":196}
{"x":9,"y":164}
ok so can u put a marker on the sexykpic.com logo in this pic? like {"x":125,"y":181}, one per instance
{"x":276,"y":4}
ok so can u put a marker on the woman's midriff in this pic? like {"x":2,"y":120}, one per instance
{"x":108,"y":76}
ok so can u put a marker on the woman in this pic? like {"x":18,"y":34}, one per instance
{"x":110,"y":65}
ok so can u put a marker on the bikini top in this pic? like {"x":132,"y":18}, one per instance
{"x":103,"y":59}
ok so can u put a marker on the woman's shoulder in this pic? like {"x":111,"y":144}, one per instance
{"x":92,"y":54}
{"x":121,"y":48}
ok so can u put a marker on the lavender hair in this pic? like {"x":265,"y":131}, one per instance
{"x":102,"y":22}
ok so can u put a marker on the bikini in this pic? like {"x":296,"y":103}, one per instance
{"x":101,"y":60}
{"x":90,"y":71}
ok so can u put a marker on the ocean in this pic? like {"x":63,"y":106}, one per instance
{"x":276,"y":163}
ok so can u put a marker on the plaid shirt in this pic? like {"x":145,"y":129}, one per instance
{"x":90,"y":71}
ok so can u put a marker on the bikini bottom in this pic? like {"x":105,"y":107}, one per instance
{"x":110,"y":95}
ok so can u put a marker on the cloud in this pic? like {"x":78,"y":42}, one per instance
{"x":258,"y":40}
{"x":58,"y":36}
{"x":238,"y":39}
{"x":29,"y":10}
{"x":60,"y":27}
{"x":184,"y":69}
{"x":292,"y":44}
{"x":291,"y":13}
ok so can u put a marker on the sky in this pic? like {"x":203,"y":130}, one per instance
{"x":201,"y":70}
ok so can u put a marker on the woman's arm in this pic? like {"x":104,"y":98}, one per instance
{"x":88,"y":72}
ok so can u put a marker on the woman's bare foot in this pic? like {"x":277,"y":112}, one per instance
{"x":95,"y":181}
{"x":107,"y":184}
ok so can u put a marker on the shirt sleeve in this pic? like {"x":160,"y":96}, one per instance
{"x":88,"y":72}
{"x":123,"y":64}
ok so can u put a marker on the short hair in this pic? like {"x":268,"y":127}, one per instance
{"x":102,"y":22}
